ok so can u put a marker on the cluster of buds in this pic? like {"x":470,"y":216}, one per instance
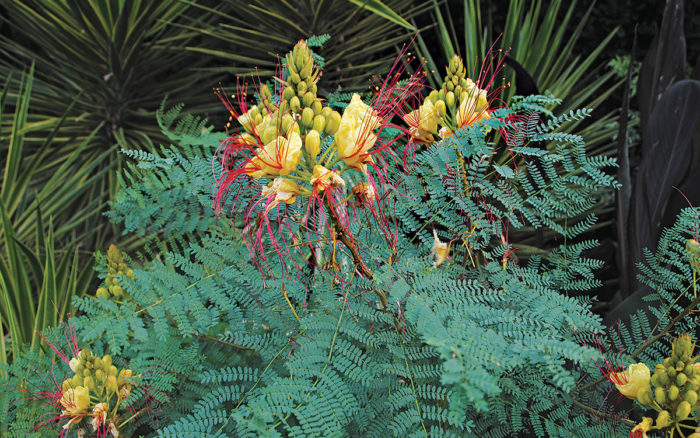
{"x":674,"y":395}
{"x":116,"y":267}
{"x":460,"y":102}
{"x":94,"y":392}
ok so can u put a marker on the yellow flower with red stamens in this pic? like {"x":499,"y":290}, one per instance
{"x":355,"y":135}
{"x":99,"y":415}
{"x":75,"y":402}
{"x":423,"y":122}
{"x":640,"y":430}
{"x":280,"y":190}
{"x":474,"y":108}
{"x":278,"y":158}
{"x":441,"y":250}
{"x":633,"y":380}
{"x":323,"y":178}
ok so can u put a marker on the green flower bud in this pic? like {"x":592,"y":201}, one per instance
{"x":295,"y":104}
{"x":683,"y":410}
{"x":660,"y":395}
{"x":89,"y":383}
{"x":308,"y":99}
{"x":66,"y":385}
{"x":130,"y":274}
{"x":97,"y":364}
{"x":307,"y":117}
{"x":286,"y":123}
{"x":671,"y":372}
{"x":269,"y":134}
{"x":313,"y":88}
{"x":450,"y":86}
{"x":112,"y":370}
{"x":689,"y":370}
{"x":76,"y":381}
{"x":692,"y":249}
{"x":691,"y":397}
{"x":319,"y":123}
{"x":441,"y":108}
{"x":87,"y":372}
{"x":117,"y":291}
{"x":301,"y":88}
{"x":305,"y":71}
{"x":655,"y":379}
{"x":84,"y":354}
{"x":663,"y":419}
{"x":668,"y":362}
{"x":442,"y":93}
{"x":317,"y":107}
{"x":450,"y":99}
{"x":100,"y":375}
{"x":673,"y":392}
{"x":287,"y":93}
{"x":644,"y":396}
{"x":102,"y":292}
{"x":681,"y":379}
{"x":313,"y":143}
{"x":333,"y":122}
{"x":326,"y":111}
{"x":107,"y":361}
{"x":294,"y":78}
{"x":433,"y":96}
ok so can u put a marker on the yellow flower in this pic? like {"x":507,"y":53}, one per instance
{"x":124,"y":383}
{"x":280,"y":190}
{"x":324,"y":178}
{"x":423,"y":122}
{"x":99,"y":415}
{"x":640,"y":430}
{"x":365,"y":192}
{"x":636,"y":377}
{"x":474,"y":108}
{"x":441,"y":250}
{"x":278,"y":158}
{"x":355,"y":136}
{"x":73,"y":364}
{"x":75,"y":402}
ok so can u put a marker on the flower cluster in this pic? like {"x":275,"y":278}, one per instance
{"x":94,"y":393}
{"x":460,"y":102}
{"x":296,"y":151}
{"x":116,"y":267}
{"x":674,"y":395}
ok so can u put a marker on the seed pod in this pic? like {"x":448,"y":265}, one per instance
{"x":691,"y":397}
{"x":332,"y":123}
{"x":294,"y":104}
{"x":313,"y":143}
{"x":308,"y":99}
{"x":681,"y":378}
{"x":683,"y":410}
{"x":673,"y":392}
{"x":660,"y":395}
{"x":319,"y":123}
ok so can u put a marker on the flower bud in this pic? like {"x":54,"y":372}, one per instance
{"x":692,"y":249}
{"x":307,"y":117}
{"x":694,"y":435}
{"x":663,"y":420}
{"x":681,"y":379}
{"x":287,"y":93}
{"x":441,"y":94}
{"x":313,"y":88}
{"x":76,"y":381}
{"x":319,"y":123}
{"x":295,"y":104}
{"x":305,"y":71}
{"x":683,"y":410}
{"x":112,"y":370}
{"x":317,"y":107}
{"x":326,"y":111}
{"x":668,"y":363}
{"x":450,"y":86}
{"x":102,"y":292}
{"x":111,"y":383}
{"x":268,"y":134}
{"x":86,"y":372}
{"x":313,"y":143}
{"x":89,"y":383}
{"x":671,"y":372}
{"x":100,"y":376}
{"x":117,"y":291}
{"x":301,"y":88}
{"x":660,"y":395}
{"x":66,"y":385}
{"x":308,"y":99}
{"x":433,"y":96}
{"x":673,"y":392}
{"x":691,"y":397}
{"x":450,"y":99}
{"x":644,"y":396}
{"x":441,"y":108}
{"x":332,"y":122}
{"x":107,"y":361}
{"x":688,"y":370}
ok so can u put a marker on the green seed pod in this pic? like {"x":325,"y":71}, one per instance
{"x":681,"y":379}
{"x":319,"y":123}
{"x":308,"y":99}
{"x":691,"y":397}
{"x":663,"y":419}
{"x":660,"y":395}
{"x":450,"y":99}
{"x":295,"y":104}
{"x":332,"y":123}
{"x":673,"y":392}
{"x":441,"y":108}
{"x":317,"y":107}
{"x":287,"y":93}
{"x":307,"y":117}
{"x":312,"y":143}
{"x":683,"y":410}
{"x":102,"y":292}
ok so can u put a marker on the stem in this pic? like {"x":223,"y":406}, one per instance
{"x":603,"y":414}
{"x":345,"y":237}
